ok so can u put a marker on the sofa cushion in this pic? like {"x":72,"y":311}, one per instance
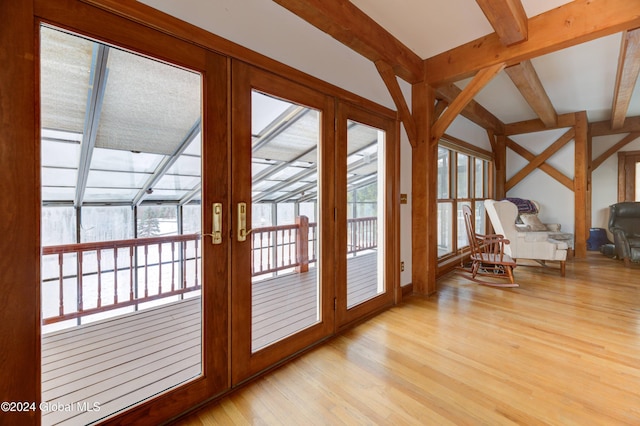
{"x":533,"y":222}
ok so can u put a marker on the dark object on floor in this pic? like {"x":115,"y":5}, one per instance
{"x":597,"y":238}
{"x":608,"y":250}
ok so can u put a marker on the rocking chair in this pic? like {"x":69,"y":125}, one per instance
{"x":487,"y":254}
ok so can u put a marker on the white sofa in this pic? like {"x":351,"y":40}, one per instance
{"x":540,"y":246}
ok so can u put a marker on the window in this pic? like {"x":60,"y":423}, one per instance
{"x":468,"y":174}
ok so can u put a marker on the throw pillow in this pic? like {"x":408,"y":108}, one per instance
{"x":532,"y":221}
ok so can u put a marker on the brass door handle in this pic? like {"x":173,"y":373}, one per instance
{"x":242,"y":222}
{"x":216,"y":227}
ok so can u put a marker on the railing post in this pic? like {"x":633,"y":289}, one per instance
{"x":302,"y":244}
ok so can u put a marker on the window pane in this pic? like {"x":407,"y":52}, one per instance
{"x":106,"y":223}
{"x":445,"y":228}
{"x":462,"y":240}
{"x":462,"y":177}
{"x":479,"y":178}
{"x":443,"y":173}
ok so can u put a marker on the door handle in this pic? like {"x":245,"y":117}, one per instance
{"x":242,"y":222}
{"x":216,"y":227}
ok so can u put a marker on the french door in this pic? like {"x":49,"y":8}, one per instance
{"x":134,"y":265}
{"x":282,"y":206}
{"x":366,"y":186}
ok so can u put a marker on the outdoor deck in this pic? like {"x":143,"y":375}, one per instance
{"x":120,"y":361}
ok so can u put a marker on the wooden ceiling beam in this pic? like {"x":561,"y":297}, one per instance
{"x":390,"y":80}
{"x":481,"y":79}
{"x":508,"y":19}
{"x":603,"y":128}
{"x":568,"y":25}
{"x":526,"y":79}
{"x":628,"y":71}
{"x":536,"y":125}
{"x":473,"y":111}
{"x":343,"y":21}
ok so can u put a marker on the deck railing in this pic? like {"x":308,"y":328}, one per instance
{"x":90,"y":278}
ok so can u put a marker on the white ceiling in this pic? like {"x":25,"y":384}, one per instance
{"x":580,"y":78}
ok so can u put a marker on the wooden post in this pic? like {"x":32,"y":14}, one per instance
{"x":302,"y":244}
{"x":580,"y":180}
{"x":500,"y":161}
{"x":20,"y":213}
{"x":424,"y":212}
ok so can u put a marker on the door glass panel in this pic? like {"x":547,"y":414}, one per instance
{"x":365,"y":213}
{"x":121,"y":262}
{"x":284,"y":243}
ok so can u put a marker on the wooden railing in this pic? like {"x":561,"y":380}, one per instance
{"x":100,"y":276}
{"x":90,"y":278}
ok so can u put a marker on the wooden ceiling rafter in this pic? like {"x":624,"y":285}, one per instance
{"x":568,"y":25}
{"x":626,"y":77}
{"x":539,"y":161}
{"x":479,"y":81}
{"x":389,"y":77}
{"x":343,"y":21}
{"x":508,"y":18}
{"x":526,"y":79}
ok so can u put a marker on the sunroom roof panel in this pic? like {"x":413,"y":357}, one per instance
{"x":65,"y":68}
{"x":148,"y":106}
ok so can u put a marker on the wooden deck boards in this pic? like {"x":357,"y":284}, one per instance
{"x":120,"y":361}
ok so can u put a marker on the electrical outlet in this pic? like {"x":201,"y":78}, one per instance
{"x":402,"y":266}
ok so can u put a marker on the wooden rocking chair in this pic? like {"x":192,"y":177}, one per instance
{"x":487,"y":254}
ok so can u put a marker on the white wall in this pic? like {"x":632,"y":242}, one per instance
{"x":267,"y":28}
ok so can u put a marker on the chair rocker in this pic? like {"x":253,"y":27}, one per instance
{"x":487,"y":255}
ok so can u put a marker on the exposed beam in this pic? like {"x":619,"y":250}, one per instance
{"x":95,"y":100}
{"x":581,"y":185}
{"x":539,"y":160}
{"x":441,"y":105}
{"x":628,"y":71}
{"x":473,"y":111}
{"x":532,"y":126}
{"x":508,"y":19}
{"x":526,"y":79}
{"x":478,"y":83}
{"x":390,"y":80}
{"x":343,"y":21}
{"x":603,"y":128}
{"x":568,"y":25}
{"x":548,"y":169}
{"x":166,"y":164}
{"x":615,"y":148}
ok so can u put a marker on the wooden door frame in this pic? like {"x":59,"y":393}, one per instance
{"x":344,"y":316}
{"x":627,"y":175}
{"x":245,"y":78}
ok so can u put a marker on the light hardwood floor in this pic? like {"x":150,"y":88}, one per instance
{"x":557,"y":351}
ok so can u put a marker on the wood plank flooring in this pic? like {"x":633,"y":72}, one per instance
{"x":555,"y":351}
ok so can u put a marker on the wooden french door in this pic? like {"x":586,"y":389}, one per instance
{"x":282,"y":207}
{"x":366,"y":225}
{"x":130,"y":77}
